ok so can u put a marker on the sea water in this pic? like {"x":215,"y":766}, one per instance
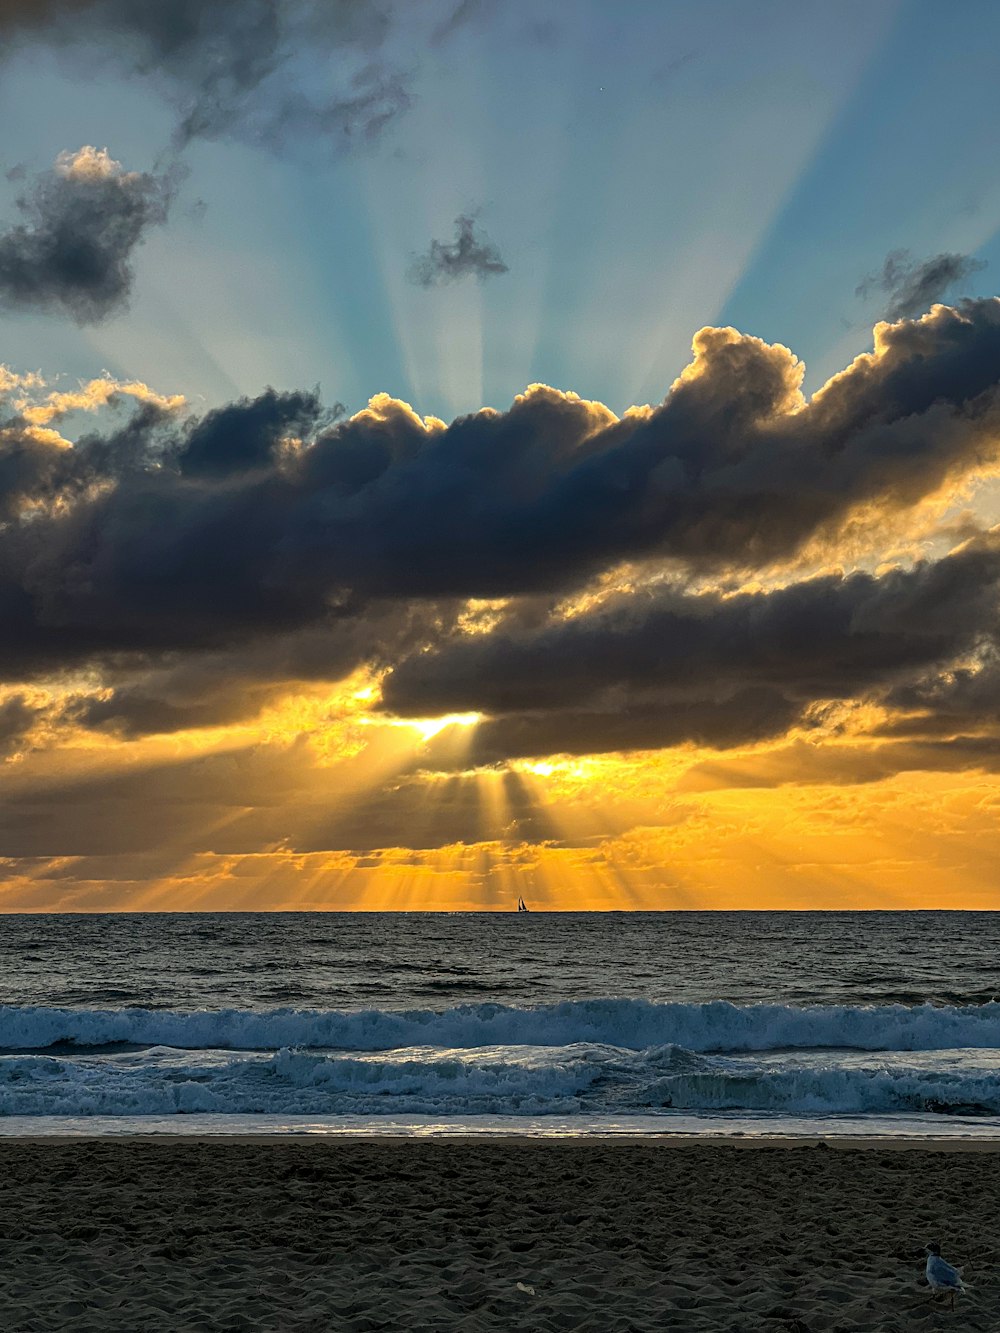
{"x":541,"y":1023}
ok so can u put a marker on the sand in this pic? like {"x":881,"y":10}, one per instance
{"x":408,"y":1235}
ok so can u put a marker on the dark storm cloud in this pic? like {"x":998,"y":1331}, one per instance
{"x":745,"y":717}
{"x":661,"y":668}
{"x":210,"y":534}
{"x":471,"y":255}
{"x":962,"y":697}
{"x":227,"y":64}
{"x":82,"y":221}
{"x":913,"y":286}
{"x":730,"y":470}
{"x":833,"y":764}
{"x":263,"y":540}
{"x":37,"y":471}
{"x":824,"y":638}
{"x":205,"y":689}
{"x":140,"y":710}
{"x":28,"y":469}
{"x":243,"y":436}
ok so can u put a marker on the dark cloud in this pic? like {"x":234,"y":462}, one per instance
{"x":825,"y":638}
{"x":912,"y":286}
{"x":36,"y":471}
{"x":264,"y":541}
{"x":207,"y":689}
{"x":143,"y":709}
{"x":660,"y":668}
{"x":17,"y":717}
{"x":244,"y":436}
{"x":961,"y":697}
{"x":82,"y":222}
{"x":745,"y":717}
{"x":471,"y":255}
{"x":233,"y":68}
{"x":731,"y":470}
{"x":838,"y":764}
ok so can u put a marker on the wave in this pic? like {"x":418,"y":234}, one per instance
{"x":536,"y":1081}
{"x":629,"y":1024}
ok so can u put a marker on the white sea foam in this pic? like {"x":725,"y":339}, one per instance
{"x":577,"y":1080}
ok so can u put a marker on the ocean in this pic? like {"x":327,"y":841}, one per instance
{"x":538,"y":1023}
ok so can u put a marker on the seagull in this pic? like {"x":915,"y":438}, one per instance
{"x":940,"y":1274}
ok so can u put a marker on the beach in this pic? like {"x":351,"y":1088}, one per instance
{"x":358,"y":1235}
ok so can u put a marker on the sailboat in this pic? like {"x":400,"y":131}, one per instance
{"x":521,"y":905}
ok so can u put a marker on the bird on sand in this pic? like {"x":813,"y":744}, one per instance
{"x":941,"y":1276}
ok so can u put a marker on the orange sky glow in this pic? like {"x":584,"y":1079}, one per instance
{"x":228,"y":819}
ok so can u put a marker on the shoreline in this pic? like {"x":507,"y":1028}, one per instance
{"x":944,"y":1133}
{"x":840,"y":1143}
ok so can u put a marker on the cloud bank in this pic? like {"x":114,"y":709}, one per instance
{"x":584,"y":582}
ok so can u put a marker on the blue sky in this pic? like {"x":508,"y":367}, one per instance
{"x":644,"y":169}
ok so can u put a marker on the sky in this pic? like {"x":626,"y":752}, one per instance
{"x":474,"y":449}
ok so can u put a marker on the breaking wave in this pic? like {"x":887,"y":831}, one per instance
{"x":629,"y":1024}
{"x":576,"y":1080}
{"x":587,"y":1057}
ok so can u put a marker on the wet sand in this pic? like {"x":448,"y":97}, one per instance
{"x":417,"y":1235}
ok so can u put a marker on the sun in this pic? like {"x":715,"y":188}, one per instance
{"x":428,"y":727}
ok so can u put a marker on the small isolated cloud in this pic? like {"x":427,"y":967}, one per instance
{"x":913,"y":286}
{"x":82,"y":221}
{"x":471,"y":254}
